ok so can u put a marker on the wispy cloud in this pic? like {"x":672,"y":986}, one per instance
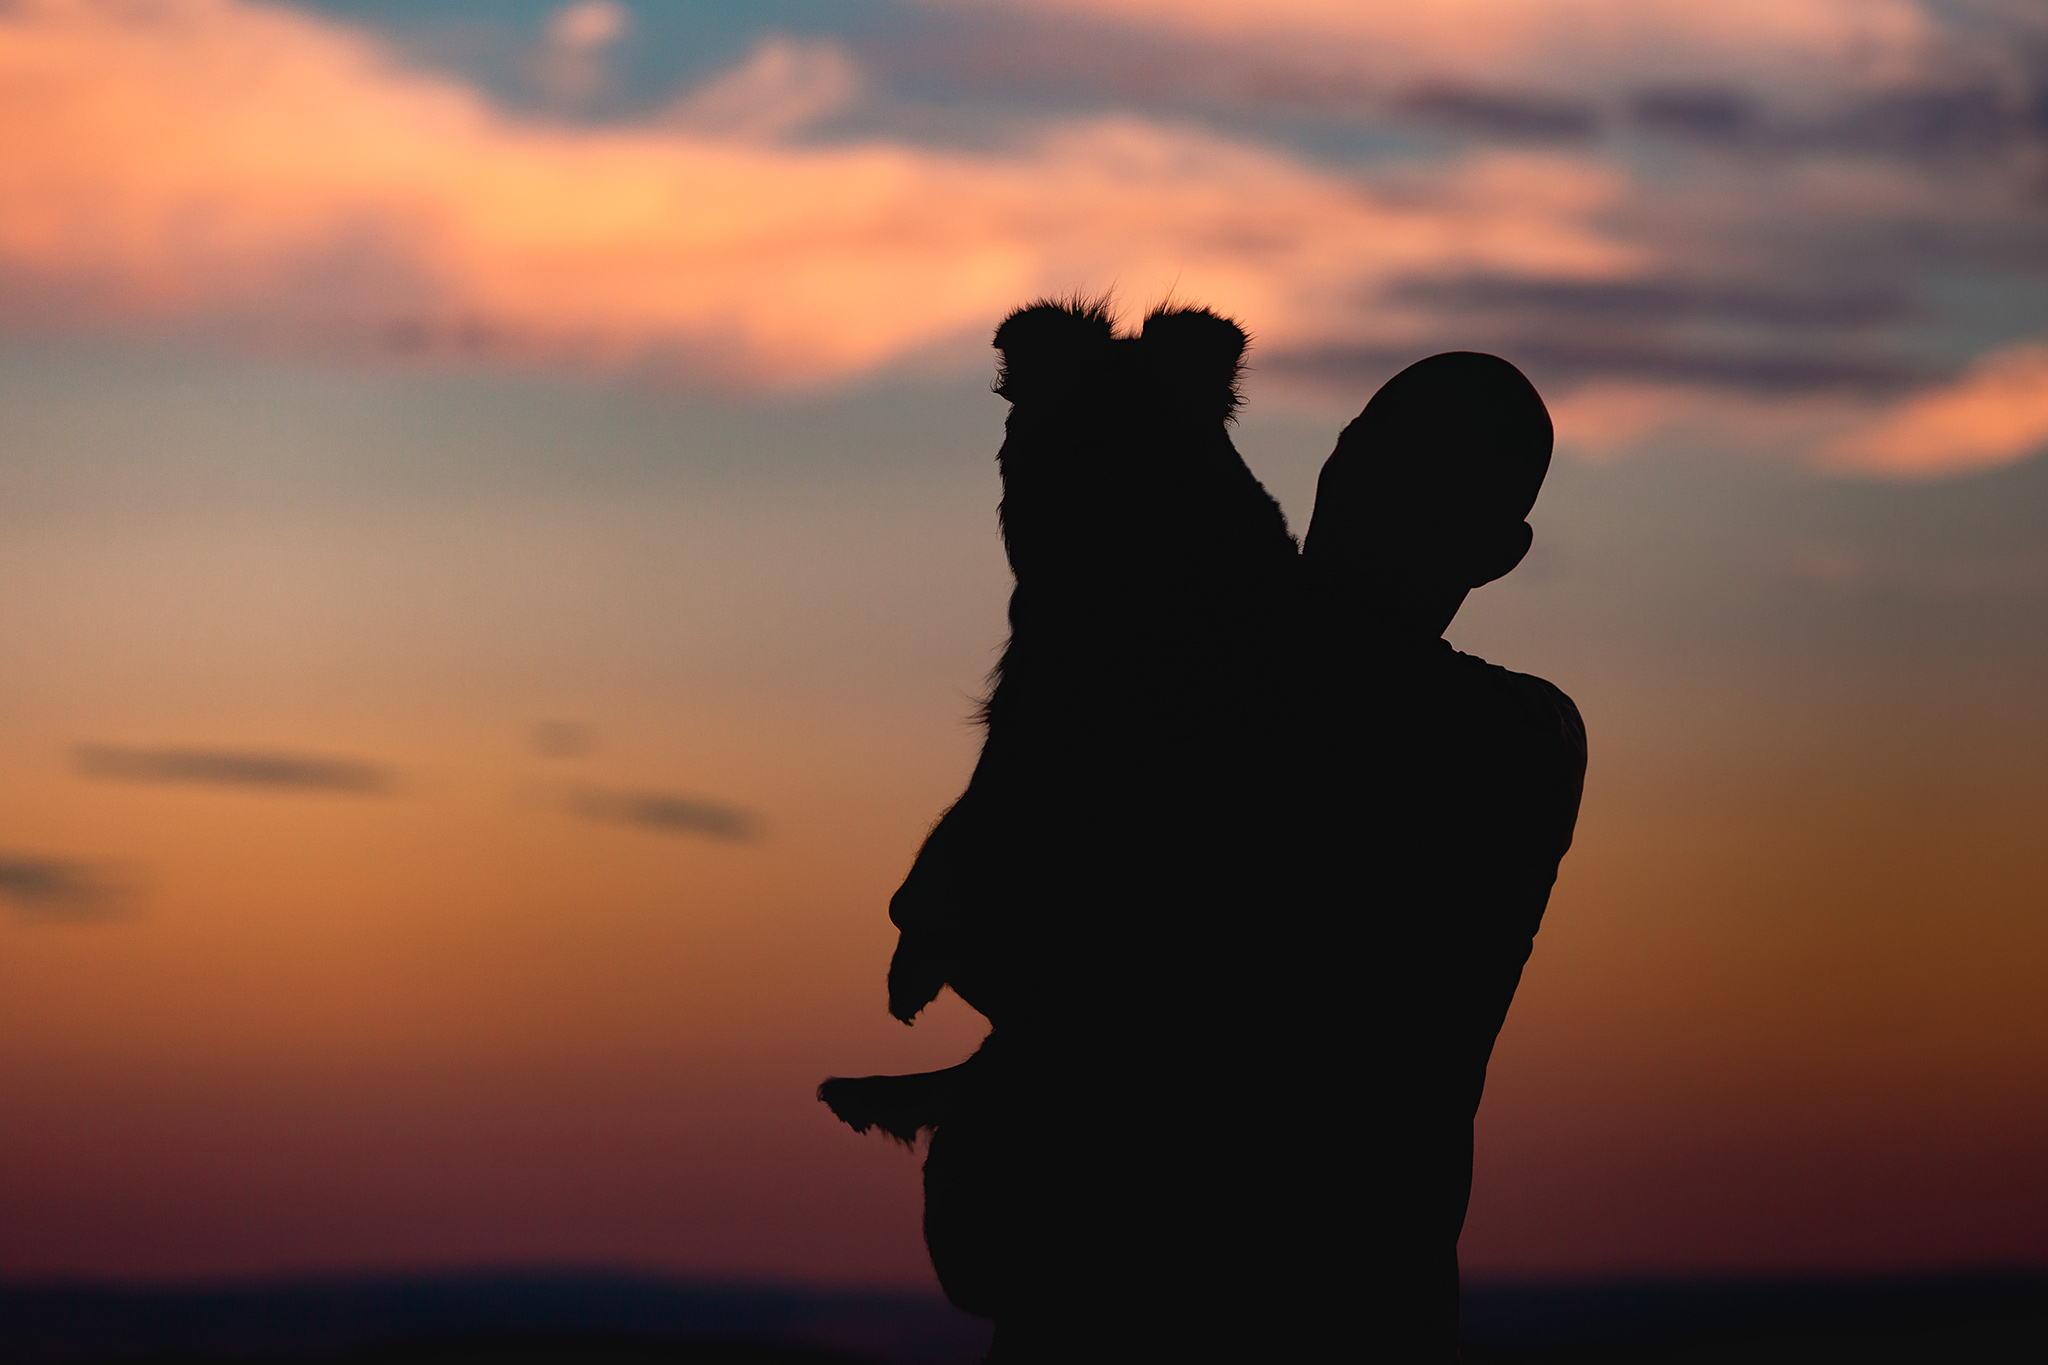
{"x":561,"y":739}
{"x":1565,"y":363}
{"x":61,"y":890}
{"x":253,"y":768}
{"x":1833,"y":568}
{"x":1925,"y":91}
{"x":1994,"y":414}
{"x":783,"y":89}
{"x":588,"y":25}
{"x":230,"y":166}
{"x":666,"y":813}
{"x":1564,"y":44}
{"x":571,"y":65}
{"x":1502,"y":113}
{"x":1669,"y":299}
{"x":267,"y":176}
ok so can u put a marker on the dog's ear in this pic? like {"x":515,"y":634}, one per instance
{"x":1198,"y":355}
{"x":1048,"y":344}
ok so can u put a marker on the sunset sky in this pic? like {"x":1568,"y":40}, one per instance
{"x":498,"y":559}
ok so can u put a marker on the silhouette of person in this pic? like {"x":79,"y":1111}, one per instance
{"x":1441,"y":801}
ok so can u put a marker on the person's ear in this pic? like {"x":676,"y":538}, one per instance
{"x":1498,"y":559}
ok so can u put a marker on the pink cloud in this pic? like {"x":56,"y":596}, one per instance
{"x":782,"y":89}
{"x":1546,"y":42}
{"x":1611,"y":419}
{"x":571,"y":66}
{"x":1995,"y":413}
{"x":588,"y":25}
{"x":248,"y":170}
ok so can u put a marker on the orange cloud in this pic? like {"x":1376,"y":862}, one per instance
{"x":256,"y":171}
{"x":1996,"y":413}
{"x":1612,"y":419}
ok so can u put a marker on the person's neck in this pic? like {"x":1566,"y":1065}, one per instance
{"x":1413,"y":617}
{"x":1394,"y":610}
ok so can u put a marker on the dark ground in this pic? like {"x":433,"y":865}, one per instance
{"x":551,"y":1318}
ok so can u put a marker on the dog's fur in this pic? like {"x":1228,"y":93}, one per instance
{"x":1079,"y":892}
{"x":1144,"y":553}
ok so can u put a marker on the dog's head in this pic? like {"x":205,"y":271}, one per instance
{"x":1116,"y":445}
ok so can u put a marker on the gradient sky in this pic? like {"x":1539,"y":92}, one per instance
{"x":498,"y":544}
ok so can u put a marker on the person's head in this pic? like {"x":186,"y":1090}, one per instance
{"x":1426,"y":495}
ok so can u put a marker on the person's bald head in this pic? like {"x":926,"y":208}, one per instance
{"x":1428,"y":488}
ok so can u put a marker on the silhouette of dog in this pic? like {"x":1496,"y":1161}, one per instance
{"x":1145,"y":553}
{"x":1078,"y":893}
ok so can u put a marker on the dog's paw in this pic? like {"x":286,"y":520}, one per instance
{"x":915,"y":979}
{"x":884,"y":1102}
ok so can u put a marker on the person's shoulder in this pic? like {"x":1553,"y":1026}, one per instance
{"x":1537,"y":703}
{"x":1571,"y":726}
